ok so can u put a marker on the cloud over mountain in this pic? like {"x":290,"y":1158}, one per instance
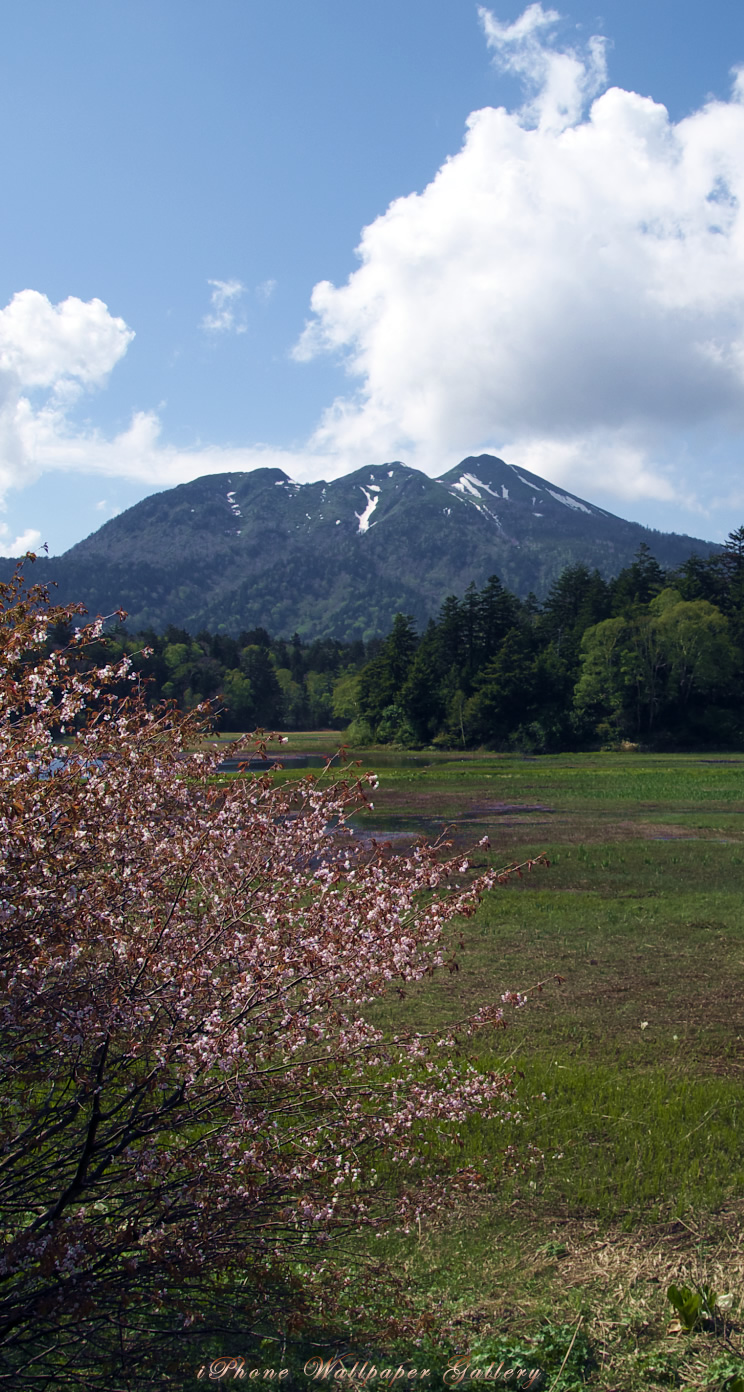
{"x":569,"y":288}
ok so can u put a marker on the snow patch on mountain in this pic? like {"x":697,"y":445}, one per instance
{"x":363,"y":517}
{"x":465,"y":485}
{"x":568,"y":502}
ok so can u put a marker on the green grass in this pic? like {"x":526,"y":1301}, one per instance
{"x":639,"y":1052}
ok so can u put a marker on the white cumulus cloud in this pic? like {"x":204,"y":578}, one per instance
{"x":48,"y":355}
{"x":568,"y":290}
{"x":46,"y":345}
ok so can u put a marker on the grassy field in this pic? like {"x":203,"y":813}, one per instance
{"x":639,"y":1052}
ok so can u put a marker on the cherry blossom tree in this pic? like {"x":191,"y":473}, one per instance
{"x":191,"y":1092}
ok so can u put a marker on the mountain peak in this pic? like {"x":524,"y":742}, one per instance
{"x":486,"y":479}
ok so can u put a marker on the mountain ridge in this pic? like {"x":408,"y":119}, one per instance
{"x":237,"y":550}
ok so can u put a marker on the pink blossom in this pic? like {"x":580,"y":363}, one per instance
{"x":188,"y":1075}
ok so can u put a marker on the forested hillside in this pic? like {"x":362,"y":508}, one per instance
{"x":234,"y":552}
{"x":653,"y":656}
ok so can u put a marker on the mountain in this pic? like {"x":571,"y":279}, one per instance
{"x":234,"y":551}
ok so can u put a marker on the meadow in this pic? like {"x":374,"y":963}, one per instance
{"x":629,"y":1068}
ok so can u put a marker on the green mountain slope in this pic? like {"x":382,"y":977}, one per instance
{"x":232,"y":551}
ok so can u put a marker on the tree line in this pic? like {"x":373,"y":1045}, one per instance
{"x":652,"y":656}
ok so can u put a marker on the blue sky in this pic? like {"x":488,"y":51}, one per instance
{"x":562,"y":283}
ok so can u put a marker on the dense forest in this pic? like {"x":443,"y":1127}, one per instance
{"x":253,"y":681}
{"x":652,"y":657}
